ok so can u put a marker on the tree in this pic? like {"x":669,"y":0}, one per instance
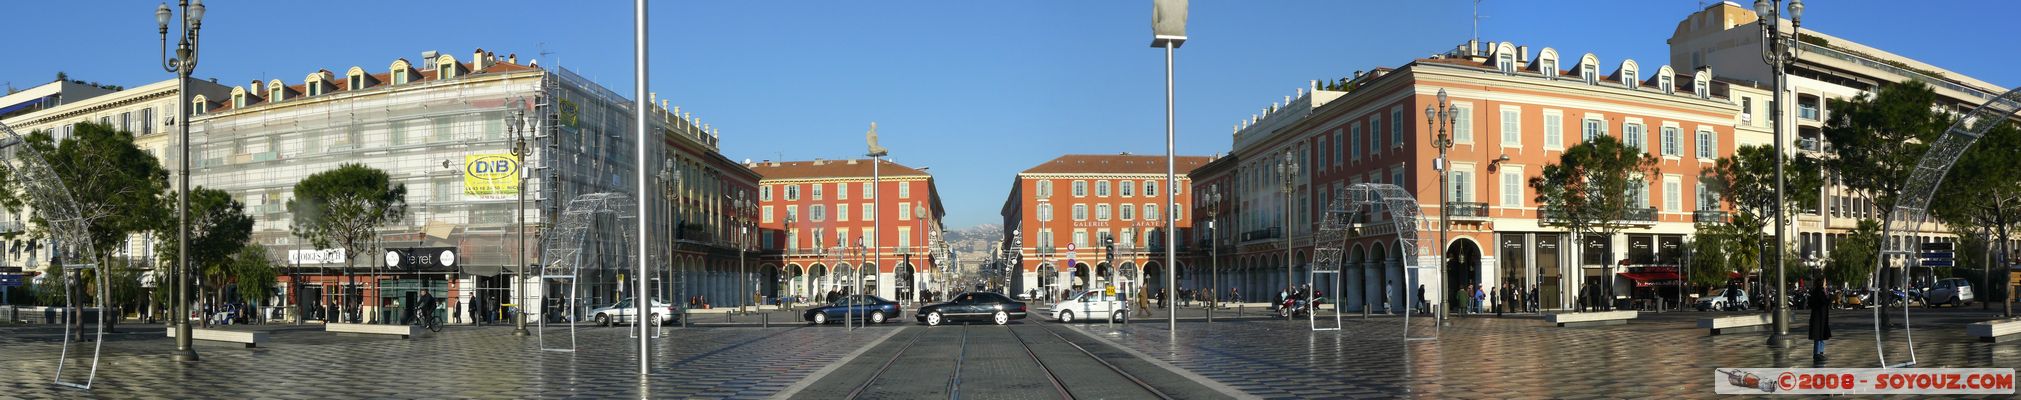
{"x":254,"y":273}
{"x":344,"y":207}
{"x":1852,"y":261}
{"x":1708,"y":267}
{"x":1746,"y":180}
{"x":1877,"y":138}
{"x":218,"y":227}
{"x":117,"y":189}
{"x":1982,"y":192}
{"x":1590,"y":188}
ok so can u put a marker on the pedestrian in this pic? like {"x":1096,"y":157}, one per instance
{"x":1388,"y":291}
{"x":1533,"y":298}
{"x":1497,"y":297}
{"x":1424,"y":305}
{"x":1820,"y":319}
{"x":1480,"y":299}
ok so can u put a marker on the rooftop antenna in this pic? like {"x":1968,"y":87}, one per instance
{"x":542,"y":47}
{"x":1477,"y":20}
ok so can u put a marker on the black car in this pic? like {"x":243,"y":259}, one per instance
{"x":974,"y":306}
{"x":863,"y":308}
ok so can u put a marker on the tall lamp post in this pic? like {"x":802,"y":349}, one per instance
{"x":1168,"y":30}
{"x":1213,"y":198}
{"x":182,"y":64}
{"x":520,"y":151}
{"x":1287,"y":168}
{"x":1780,"y":51}
{"x":1441,"y":118}
{"x":743,"y":242}
{"x":669,"y":180}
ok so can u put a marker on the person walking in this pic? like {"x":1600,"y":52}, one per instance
{"x":1388,"y":291}
{"x":1820,"y":318}
{"x":1424,"y":304}
{"x":1500,"y":300}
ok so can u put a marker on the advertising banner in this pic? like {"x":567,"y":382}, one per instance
{"x":490,"y":176}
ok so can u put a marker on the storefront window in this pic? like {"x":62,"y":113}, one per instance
{"x":1549,"y":278}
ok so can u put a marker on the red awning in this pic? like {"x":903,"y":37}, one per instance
{"x":1654,"y":278}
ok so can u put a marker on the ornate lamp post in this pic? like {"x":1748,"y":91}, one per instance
{"x":1441,"y":117}
{"x":182,"y":64}
{"x":1287,"y":168}
{"x":1780,"y":51}
{"x":519,"y":152}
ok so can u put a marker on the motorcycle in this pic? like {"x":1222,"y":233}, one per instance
{"x":1294,"y":308}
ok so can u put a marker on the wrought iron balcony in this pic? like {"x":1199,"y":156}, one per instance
{"x":1641,"y":214}
{"x":1261,"y":234}
{"x":1466,"y":209}
{"x":1709,"y":216}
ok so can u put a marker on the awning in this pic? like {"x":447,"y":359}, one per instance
{"x":1653,"y":278}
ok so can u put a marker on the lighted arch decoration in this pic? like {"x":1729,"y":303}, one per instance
{"x":1913,"y":207}
{"x":73,"y":250}
{"x":577,"y":239}
{"x":1350,"y":208}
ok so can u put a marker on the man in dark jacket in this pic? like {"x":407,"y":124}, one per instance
{"x":1820,"y":317}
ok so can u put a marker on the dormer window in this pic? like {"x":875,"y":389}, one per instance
{"x":315,"y":88}
{"x":1667,"y":84}
{"x":197,"y":105}
{"x":357,"y":82}
{"x":1590,"y":73}
{"x":1506,"y":62}
{"x":402,"y":72}
{"x":238,"y":98}
{"x":275,"y":93}
{"x":1629,"y":72}
{"x":1701,"y":83}
{"x":445,"y":67}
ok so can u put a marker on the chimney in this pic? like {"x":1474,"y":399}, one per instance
{"x":852,"y":161}
{"x":477,"y":61}
{"x":819,"y":161}
{"x":512,"y":58}
{"x":428,"y":59}
{"x":1357,"y":74}
{"x":1522,"y":55}
{"x":1473,"y":47}
{"x":1312,"y":85}
{"x":256,"y":89}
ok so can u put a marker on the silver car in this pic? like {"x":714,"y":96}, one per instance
{"x":1953,"y":291}
{"x":624,"y":312}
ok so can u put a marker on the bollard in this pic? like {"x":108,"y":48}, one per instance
{"x":1210,"y":314}
{"x":729,"y":317}
{"x":764,"y":320}
{"x":1238,"y":311}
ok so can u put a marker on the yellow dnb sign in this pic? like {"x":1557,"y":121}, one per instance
{"x":490,"y":176}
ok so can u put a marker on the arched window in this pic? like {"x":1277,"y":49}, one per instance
{"x":1589,"y":69}
{"x":1505,"y":58}
{"x":1629,"y":72}
{"x":445,"y":67}
{"x":276,"y":91}
{"x":355,"y":79}
{"x":238,"y":97}
{"x":1701,"y":83}
{"x":402,"y":72}
{"x":197,"y":105}
{"x":1547,"y":63}
{"x":1666,"y":80}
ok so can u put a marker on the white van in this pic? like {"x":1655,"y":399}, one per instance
{"x":1091,"y":304}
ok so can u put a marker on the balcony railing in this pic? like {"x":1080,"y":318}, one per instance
{"x":1807,"y":112}
{"x":1260,"y":234}
{"x":1641,"y":214}
{"x":1808,"y":144}
{"x":1708,"y":216}
{"x":1465,"y":209}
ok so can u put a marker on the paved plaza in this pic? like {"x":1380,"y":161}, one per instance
{"x":1515,"y":356}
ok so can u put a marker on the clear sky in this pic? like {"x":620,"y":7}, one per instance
{"x":976,"y":90}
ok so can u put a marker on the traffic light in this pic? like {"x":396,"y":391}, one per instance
{"x":1110,"y":245}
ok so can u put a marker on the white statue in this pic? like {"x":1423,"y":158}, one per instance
{"x":875,"y":150}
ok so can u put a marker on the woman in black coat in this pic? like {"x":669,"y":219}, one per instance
{"x":1820,"y":317}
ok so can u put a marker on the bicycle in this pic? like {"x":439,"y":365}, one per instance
{"x":429,"y":320}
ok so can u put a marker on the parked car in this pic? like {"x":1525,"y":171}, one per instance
{"x":1091,"y":304}
{"x":1718,"y":301}
{"x":1952,"y":291}
{"x":973,"y":306}
{"x":623,"y":312}
{"x":874,"y":309}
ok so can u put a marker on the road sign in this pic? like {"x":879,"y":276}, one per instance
{"x":1938,"y":246}
{"x":10,"y":270}
{"x":11,"y":280}
{"x":1937,"y":263}
{"x":1938,"y":255}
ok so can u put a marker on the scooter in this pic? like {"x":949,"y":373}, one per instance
{"x":1294,"y":308}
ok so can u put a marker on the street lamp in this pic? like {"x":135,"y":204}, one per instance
{"x":743,"y":219}
{"x":670,"y":179}
{"x":1213,"y":200}
{"x":1780,"y":51}
{"x":182,"y":65}
{"x":519,"y":153}
{"x":1441,"y":117}
{"x":1287,"y":168}
{"x":1168,"y":30}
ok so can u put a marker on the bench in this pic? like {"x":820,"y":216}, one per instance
{"x":249,"y":338}
{"x":403,"y":331}
{"x":1995,"y":331}
{"x":1743,"y":323}
{"x":1591,"y":318}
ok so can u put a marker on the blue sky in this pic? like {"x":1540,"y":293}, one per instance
{"x":975,"y":90}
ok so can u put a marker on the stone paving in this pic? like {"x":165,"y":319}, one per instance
{"x":1660,"y":355}
{"x":1517,"y":356}
{"x":485,"y":362}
